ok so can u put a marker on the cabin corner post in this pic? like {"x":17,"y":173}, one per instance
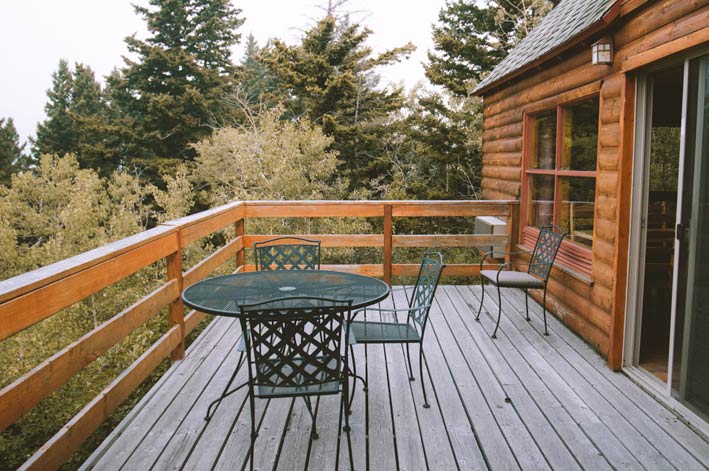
{"x":512,"y":228}
{"x":622,"y":231}
{"x":388,"y":239}
{"x":176,"y":309}
{"x":241,"y":253}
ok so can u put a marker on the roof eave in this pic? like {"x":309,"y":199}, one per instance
{"x":611,"y":15}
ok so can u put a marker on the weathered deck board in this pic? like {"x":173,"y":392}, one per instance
{"x":566,"y":410}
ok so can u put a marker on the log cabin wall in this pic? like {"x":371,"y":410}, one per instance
{"x":644,"y":32}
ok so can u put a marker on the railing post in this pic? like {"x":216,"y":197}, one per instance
{"x":241,"y":254}
{"x":512,"y":229}
{"x":177,"y":309}
{"x":388,"y":236}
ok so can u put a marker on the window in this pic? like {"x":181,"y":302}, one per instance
{"x":560,"y":177}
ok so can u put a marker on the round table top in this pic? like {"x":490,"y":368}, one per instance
{"x":222,"y":295}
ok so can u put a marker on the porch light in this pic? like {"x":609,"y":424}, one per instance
{"x":602,"y":51}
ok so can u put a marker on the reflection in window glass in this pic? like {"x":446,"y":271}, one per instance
{"x":540,"y":210}
{"x":576,"y":212}
{"x":580,"y":135}
{"x":544,"y":146}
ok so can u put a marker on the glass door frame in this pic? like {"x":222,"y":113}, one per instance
{"x":636,"y":259}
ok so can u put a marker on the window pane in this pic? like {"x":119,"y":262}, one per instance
{"x":540,"y":208}
{"x":544,"y":141}
{"x":580,"y":135}
{"x":576,"y":213}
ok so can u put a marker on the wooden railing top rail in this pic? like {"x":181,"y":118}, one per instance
{"x":18,"y":285}
{"x":43,"y":276}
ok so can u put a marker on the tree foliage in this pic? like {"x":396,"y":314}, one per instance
{"x":11,"y":152}
{"x":331,"y":78}
{"x":171,"y":94}
{"x":471,"y":38}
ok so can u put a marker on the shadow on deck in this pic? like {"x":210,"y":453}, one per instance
{"x":522,"y":401}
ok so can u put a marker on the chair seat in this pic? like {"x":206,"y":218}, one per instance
{"x":513,"y":279}
{"x":382,"y":332}
{"x":296,"y":389}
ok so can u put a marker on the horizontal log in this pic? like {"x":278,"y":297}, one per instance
{"x":21,"y":284}
{"x":605,"y":207}
{"x":612,"y":87}
{"x":667,"y":49}
{"x":608,"y":159}
{"x":452,"y":240}
{"x":502,"y":186}
{"x":503,"y":132}
{"x":603,"y":252}
{"x":609,"y":135}
{"x":212,"y":262}
{"x":582,"y":305}
{"x":504,"y":159}
{"x":513,"y":144}
{"x":607,"y":183}
{"x":326,"y":240}
{"x":30,"y":308}
{"x":70,"y":438}
{"x":18,"y":398}
{"x":491,"y":193}
{"x":604,"y":229}
{"x":502,"y":173}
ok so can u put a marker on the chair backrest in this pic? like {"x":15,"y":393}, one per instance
{"x":425,"y":288}
{"x":287,"y":253}
{"x":295,"y":342}
{"x":545,"y":250}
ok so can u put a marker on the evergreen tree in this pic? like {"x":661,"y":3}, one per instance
{"x":11,"y":152}
{"x":330,"y":78}
{"x":175,"y":89}
{"x":256,"y":83}
{"x":55,"y":135}
{"x":471,"y":38}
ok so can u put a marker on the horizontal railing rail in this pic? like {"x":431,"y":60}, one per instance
{"x":34,"y":296}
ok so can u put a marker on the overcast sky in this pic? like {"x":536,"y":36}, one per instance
{"x":35,"y":34}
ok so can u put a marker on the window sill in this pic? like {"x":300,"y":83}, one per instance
{"x":585,"y":279}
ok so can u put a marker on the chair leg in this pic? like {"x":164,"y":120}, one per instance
{"x":313,"y":416}
{"x":254,"y":434}
{"x":526,"y":303}
{"x":499,"y":312}
{"x":482,"y":299}
{"x":546,"y":332}
{"x":346,"y":429}
{"x":411,"y":370}
{"x":426,"y":405}
{"x":355,"y":377}
{"x":224,"y":394}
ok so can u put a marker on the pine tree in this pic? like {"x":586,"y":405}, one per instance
{"x":56,"y":135}
{"x":11,"y":152}
{"x":471,"y":38}
{"x":330,"y":78}
{"x":175,"y":89}
{"x":256,"y":83}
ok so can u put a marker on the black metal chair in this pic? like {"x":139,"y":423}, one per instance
{"x":287,"y":253}
{"x":536,"y":277}
{"x":281,"y":253}
{"x":295,"y":349}
{"x":411,"y":331}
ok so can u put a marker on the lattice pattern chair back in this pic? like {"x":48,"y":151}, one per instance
{"x":287,"y":253}
{"x":425,"y":288}
{"x":295,"y":350}
{"x":545,"y":250}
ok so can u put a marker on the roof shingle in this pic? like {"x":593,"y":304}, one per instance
{"x":568,"y":19}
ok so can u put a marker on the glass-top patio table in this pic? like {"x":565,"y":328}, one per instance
{"x":222,"y":295}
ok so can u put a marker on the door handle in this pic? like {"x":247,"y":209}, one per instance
{"x":679,"y":230}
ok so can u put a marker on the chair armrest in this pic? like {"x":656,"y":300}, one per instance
{"x":380,"y":310}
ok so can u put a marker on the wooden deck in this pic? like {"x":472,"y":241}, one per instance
{"x":523,"y":401}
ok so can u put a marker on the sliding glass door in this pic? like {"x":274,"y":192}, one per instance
{"x":694,"y":334}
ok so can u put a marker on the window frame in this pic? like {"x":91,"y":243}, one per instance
{"x":572,"y":255}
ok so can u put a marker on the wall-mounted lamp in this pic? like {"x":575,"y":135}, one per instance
{"x":602,"y":51}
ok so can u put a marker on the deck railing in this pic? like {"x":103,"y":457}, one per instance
{"x":29,"y":298}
